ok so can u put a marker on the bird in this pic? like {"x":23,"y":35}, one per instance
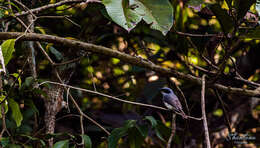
{"x":171,"y":101}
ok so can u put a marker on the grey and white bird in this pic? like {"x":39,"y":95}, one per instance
{"x":171,"y":101}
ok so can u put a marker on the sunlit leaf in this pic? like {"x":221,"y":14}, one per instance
{"x":218,"y":112}
{"x":16,"y":113}
{"x":159,"y":14}
{"x":122,"y":14}
{"x":127,"y":14}
{"x":8,"y":49}
{"x":16,"y":75}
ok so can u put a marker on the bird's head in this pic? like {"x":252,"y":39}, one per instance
{"x":166,"y":91}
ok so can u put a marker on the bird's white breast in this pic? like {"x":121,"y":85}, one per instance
{"x":168,"y":105}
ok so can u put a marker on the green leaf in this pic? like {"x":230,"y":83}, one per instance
{"x":16,"y":113}
{"x":8,"y":49}
{"x":14,"y":5}
{"x":143,"y":129}
{"x":62,"y":144}
{"x":34,"y":139}
{"x":129,"y":124}
{"x":135,"y":138}
{"x":229,"y":3}
{"x":218,"y":112}
{"x":128,"y":13}
{"x":224,"y":19}
{"x":159,"y":135}
{"x":2,"y":13}
{"x":4,"y":141}
{"x":56,"y":135}
{"x":5,"y":104}
{"x":122,"y":14}
{"x":152,"y":121}
{"x":28,"y":81}
{"x":242,"y":6}
{"x":32,"y":106}
{"x":16,"y":75}
{"x":157,"y":13}
{"x":116,"y":134}
{"x":87,"y":141}
{"x":162,"y":131}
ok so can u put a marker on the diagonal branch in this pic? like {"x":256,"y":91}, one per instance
{"x":124,"y":57}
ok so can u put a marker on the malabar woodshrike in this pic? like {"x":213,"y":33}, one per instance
{"x":171,"y":101}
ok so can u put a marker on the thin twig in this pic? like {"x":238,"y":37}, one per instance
{"x":204,"y":113}
{"x":39,"y":9}
{"x":172,"y":131}
{"x":77,"y":106}
{"x":92,"y":76}
{"x":182,"y":95}
{"x":224,"y":110}
{"x":198,"y":35}
{"x":82,"y":129}
{"x":114,"y":98}
{"x":104,"y":95}
{"x":2,"y":62}
{"x":25,"y":8}
{"x":68,"y":62}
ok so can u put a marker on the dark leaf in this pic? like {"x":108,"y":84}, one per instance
{"x":224,"y":19}
{"x":87,"y":141}
{"x":242,"y":7}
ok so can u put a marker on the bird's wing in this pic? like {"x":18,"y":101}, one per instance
{"x":173,"y":101}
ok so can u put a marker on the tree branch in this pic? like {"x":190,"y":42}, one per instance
{"x":124,"y":57}
{"x":203,"y":110}
{"x":39,"y":9}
